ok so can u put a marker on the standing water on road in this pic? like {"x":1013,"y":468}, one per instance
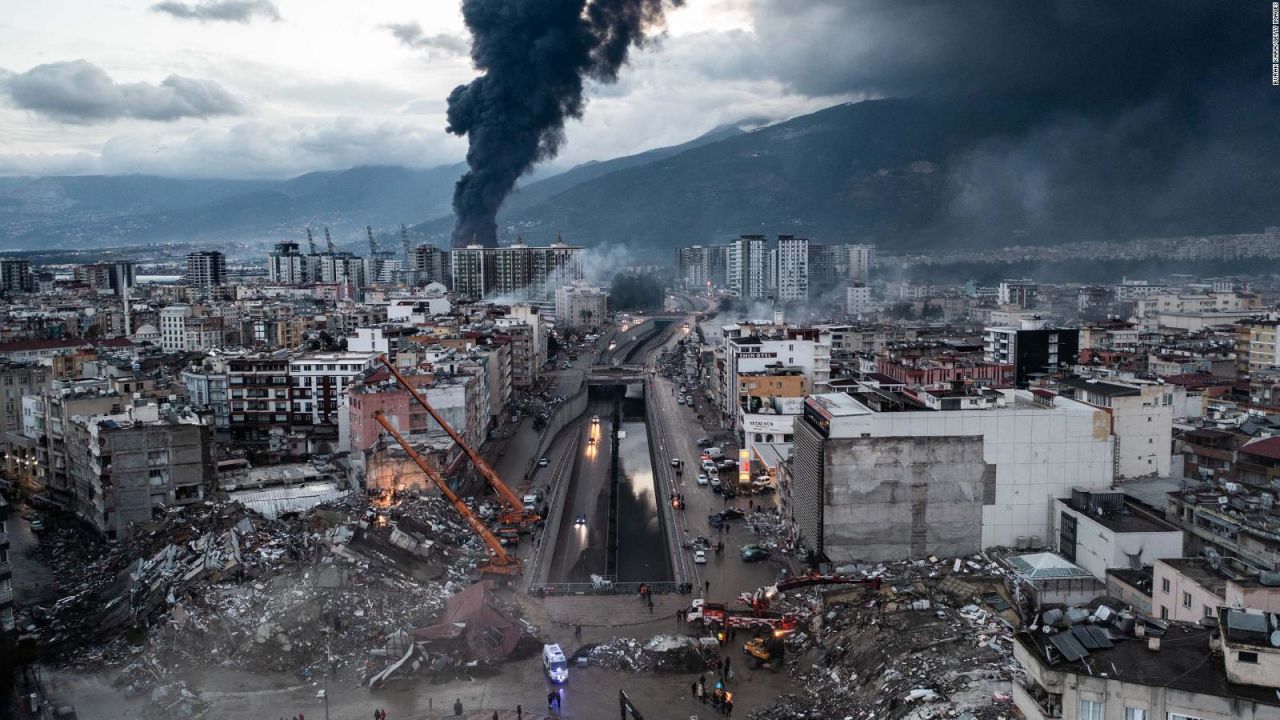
{"x":642,"y":549}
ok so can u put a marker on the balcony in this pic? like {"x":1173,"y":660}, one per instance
{"x":6,"y":596}
{"x":1045,"y":708}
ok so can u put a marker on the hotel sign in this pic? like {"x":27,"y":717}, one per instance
{"x":757,"y":355}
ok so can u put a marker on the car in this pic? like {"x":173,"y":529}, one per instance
{"x":713,"y":472}
{"x":543,"y":461}
{"x":703,"y":479}
{"x":753,"y":553}
{"x":581,"y":519}
{"x":704,"y":441}
{"x":591,"y":440}
{"x":595,"y":419}
{"x":37,"y":524}
{"x":529,"y":500}
{"x":708,"y":462}
{"x":732,"y":513}
{"x":700,"y":556}
{"x":676,"y":462}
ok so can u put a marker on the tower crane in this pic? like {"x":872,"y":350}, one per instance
{"x":500,"y":563}
{"x":328,"y":241}
{"x":518,"y":514}
{"x":373,"y":244}
{"x":311,"y":242}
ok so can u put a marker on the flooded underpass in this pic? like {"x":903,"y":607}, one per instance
{"x":598,"y":515}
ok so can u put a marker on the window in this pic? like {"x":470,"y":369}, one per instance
{"x":1186,"y":600}
{"x":1208,"y":611}
{"x":1131,"y":713}
{"x":1176,"y":716}
{"x":1090,"y":710}
{"x":1164,"y":585}
{"x":1164,"y":613}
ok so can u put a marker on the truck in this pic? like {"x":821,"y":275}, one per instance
{"x":719,"y":615}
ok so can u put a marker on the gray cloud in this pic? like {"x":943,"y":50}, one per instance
{"x":81,"y":92}
{"x":239,"y":11}
{"x":411,"y":35}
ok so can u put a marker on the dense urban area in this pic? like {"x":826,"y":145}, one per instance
{"x":769,"y":478}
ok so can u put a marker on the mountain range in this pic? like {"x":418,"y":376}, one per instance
{"x":905,"y":174}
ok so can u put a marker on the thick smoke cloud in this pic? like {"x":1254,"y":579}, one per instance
{"x":535,"y":56}
{"x":411,"y":35}
{"x":238,"y":11}
{"x":81,"y":92}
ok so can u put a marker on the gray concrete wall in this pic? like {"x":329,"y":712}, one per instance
{"x":891,"y":498}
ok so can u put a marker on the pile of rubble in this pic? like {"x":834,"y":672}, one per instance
{"x":661,"y":653}
{"x":217,"y":584}
{"x":935,"y":641}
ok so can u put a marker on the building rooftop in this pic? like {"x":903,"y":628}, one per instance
{"x":1046,"y":566}
{"x":1124,"y":522}
{"x":1267,"y":448}
{"x":1099,"y":387}
{"x":1183,"y":662}
{"x":1201,"y":571}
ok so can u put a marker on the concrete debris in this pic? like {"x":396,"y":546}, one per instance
{"x":662,"y":653}
{"x":340,"y":589}
{"x":934,"y":642}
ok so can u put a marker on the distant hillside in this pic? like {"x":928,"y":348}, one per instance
{"x":901,"y":173}
{"x":112,"y":210}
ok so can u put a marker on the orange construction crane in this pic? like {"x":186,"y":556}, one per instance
{"x":519,"y":514}
{"x":500,"y":562}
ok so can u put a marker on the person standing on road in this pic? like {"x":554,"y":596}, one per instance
{"x":693,"y":689}
{"x":706,"y":585}
{"x":457,"y":706}
{"x":519,"y":713}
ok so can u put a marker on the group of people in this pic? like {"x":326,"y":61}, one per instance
{"x":379,"y":714}
{"x":718,"y":697}
{"x":553,"y":701}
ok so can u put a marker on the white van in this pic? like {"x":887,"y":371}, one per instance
{"x":554,"y":663}
{"x":713,"y":452}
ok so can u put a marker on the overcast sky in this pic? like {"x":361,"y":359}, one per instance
{"x":274,"y":88}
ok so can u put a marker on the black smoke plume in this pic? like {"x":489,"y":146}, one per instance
{"x":535,"y":56}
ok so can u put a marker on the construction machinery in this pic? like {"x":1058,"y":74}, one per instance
{"x":767,"y":649}
{"x":311,"y":242}
{"x":328,"y":241}
{"x":760,"y":599}
{"x":517,"y":515}
{"x":373,"y":244}
{"x":718,"y":615}
{"x":411,"y":273}
{"x":500,"y":563}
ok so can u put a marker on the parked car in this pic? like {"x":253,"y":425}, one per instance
{"x":753,"y":553}
{"x":675,"y":462}
{"x":700,"y":556}
{"x":543,"y":461}
{"x":708,"y":464}
{"x":704,"y":441}
{"x":703,"y":479}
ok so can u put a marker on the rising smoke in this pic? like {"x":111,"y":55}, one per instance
{"x":535,"y":56}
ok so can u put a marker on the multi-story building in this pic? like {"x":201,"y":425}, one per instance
{"x":320,"y":381}
{"x":858,"y":300}
{"x":127,"y":465}
{"x":258,"y":399}
{"x":718,"y":265}
{"x":287,"y":265}
{"x":1164,"y":671}
{"x":16,"y":277}
{"x":1141,"y":421}
{"x":748,"y":267}
{"x":205,"y":269}
{"x":1256,"y":346}
{"x":691,"y":267}
{"x":207,"y":388}
{"x":173,"y":327}
{"x":1031,"y":348}
{"x":430,"y":265}
{"x":343,"y":269}
{"x":581,"y":307}
{"x":860,"y":257}
{"x":1104,"y":530}
{"x":518,"y":271}
{"x":17,"y":380}
{"x":115,"y":277}
{"x":1020,"y":293}
{"x":888,"y":477}
{"x":793,"y":268}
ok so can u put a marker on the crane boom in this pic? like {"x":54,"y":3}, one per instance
{"x":373,"y":244}
{"x":328,"y":241}
{"x":502,"y":562}
{"x":489,"y":475}
{"x":410,"y":271}
{"x":311,"y":242}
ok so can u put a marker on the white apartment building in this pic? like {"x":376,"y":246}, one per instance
{"x":860,"y":257}
{"x":793,"y":268}
{"x":749,"y":267}
{"x":755,"y":354}
{"x":1141,"y":421}
{"x":580,"y":306}
{"x":858,"y":300}
{"x":173,"y":327}
{"x":320,"y":382}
